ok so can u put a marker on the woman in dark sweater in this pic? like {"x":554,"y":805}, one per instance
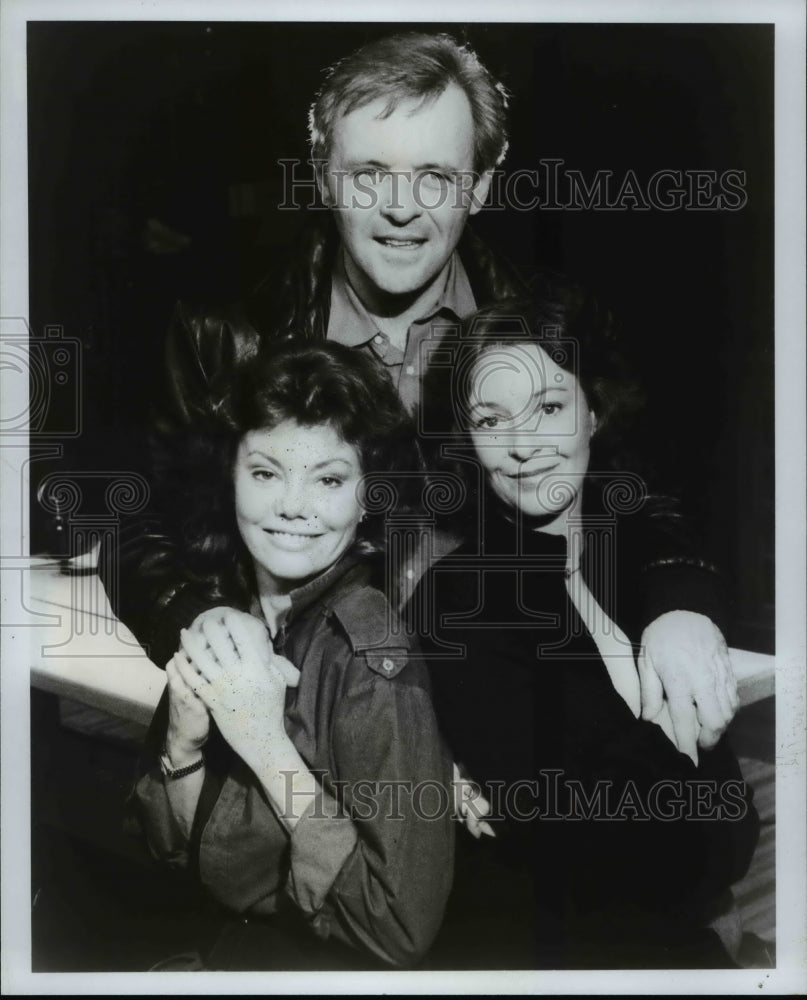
{"x":606,"y":846}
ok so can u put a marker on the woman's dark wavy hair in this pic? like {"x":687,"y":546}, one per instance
{"x":311,"y":384}
{"x":579,"y":335}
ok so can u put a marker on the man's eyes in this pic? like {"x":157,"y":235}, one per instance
{"x":434,"y":179}
{"x":427,"y":178}
{"x":372,"y":175}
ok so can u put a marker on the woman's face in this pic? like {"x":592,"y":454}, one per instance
{"x":296,"y":501}
{"x":531,"y":426}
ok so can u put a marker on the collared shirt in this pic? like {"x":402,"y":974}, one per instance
{"x":350,"y":324}
{"x":365,"y":868}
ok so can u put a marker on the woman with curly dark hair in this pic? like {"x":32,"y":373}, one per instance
{"x":294,"y":761}
{"x":605,"y":846}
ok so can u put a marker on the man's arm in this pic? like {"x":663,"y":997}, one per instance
{"x":683,"y":613}
{"x":149,"y":586}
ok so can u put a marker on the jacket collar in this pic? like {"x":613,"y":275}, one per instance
{"x":313,"y":591}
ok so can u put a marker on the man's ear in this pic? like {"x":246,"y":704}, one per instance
{"x":321,"y":177}
{"x":594,"y":422}
{"x":479,"y":192}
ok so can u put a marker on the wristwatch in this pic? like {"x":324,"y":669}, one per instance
{"x":173,"y":773}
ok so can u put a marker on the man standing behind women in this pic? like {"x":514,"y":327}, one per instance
{"x":406,"y":133}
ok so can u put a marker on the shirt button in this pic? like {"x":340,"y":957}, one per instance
{"x":388,"y":665}
{"x":410,"y":369}
{"x":379,"y":338}
{"x":410,"y":574}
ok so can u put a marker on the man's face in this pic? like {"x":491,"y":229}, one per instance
{"x":402,"y":190}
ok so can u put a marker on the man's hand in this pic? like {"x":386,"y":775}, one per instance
{"x":471,"y":806}
{"x":685,"y":660}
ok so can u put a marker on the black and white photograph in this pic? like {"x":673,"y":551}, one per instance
{"x":403,"y":529}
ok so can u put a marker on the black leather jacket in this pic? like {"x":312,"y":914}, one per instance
{"x":149,"y":587}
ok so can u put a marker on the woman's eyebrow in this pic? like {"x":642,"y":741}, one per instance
{"x":333,"y":461}
{"x":549,"y":388}
{"x":490,"y":405}
{"x":256,"y":452}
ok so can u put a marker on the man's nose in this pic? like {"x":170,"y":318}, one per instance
{"x":399,"y":198}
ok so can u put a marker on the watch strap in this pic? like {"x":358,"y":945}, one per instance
{"x":173,"y":773}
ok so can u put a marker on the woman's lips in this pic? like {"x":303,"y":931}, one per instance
{"x":290,"y":539}
{"x":532,"y":473}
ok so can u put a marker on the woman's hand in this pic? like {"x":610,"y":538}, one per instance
{"x":256,"y":627}
{"x":188,"y":717}
{"x":242,"y":682}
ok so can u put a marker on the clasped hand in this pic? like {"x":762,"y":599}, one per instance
{"x":226,"y":669}
{"x":685,"y":665}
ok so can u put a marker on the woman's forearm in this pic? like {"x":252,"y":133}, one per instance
{"x":183,"y":792}
{"x":285,"y":777}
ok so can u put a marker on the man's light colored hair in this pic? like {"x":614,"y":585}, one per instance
{"x":406,"y":66}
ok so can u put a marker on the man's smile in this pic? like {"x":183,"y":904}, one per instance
{"x":400,"y":243}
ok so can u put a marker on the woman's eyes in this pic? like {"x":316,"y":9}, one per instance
{"x":491,"y":421}
{"x":266,"y":475}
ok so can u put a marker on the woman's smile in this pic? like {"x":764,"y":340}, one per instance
{"x":531,"y":427}
{"x":296,"y":501}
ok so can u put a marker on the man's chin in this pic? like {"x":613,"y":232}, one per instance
{"x":400,"y":287}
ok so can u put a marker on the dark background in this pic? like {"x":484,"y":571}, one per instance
{"x":184,"y":123}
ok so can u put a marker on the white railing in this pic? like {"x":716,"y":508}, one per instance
{"x":80,"y":650}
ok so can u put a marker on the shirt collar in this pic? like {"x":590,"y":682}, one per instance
{"x":350,"y":324}
{"x":309,"y":593}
